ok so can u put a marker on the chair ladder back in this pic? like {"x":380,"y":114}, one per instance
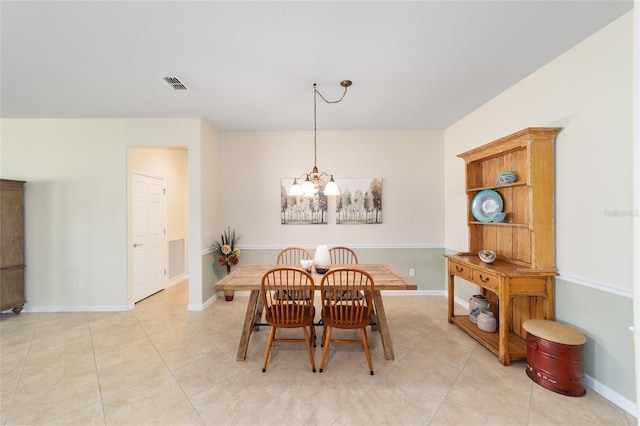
{"x":293,"y":256}
{"x":287,"y":294}
{"x":348,"y":295}
{"x":343,"y":256}
{"x":347,"y":300}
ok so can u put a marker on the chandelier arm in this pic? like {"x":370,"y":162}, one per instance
{"x":303,"y":176}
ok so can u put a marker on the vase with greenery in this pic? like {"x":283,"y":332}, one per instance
{"x":228,"y":254}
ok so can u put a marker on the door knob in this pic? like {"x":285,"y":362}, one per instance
{"x":137,"y":245}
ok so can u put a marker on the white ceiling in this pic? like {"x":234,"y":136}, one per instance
{"x":251,"y":65}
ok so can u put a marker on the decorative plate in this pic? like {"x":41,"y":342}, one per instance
{"x":484,"y":203}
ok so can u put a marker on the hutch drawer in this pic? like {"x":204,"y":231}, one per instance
{"x":460,"y":269}
{"x":485,"y":280}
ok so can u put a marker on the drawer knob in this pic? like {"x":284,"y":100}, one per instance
{"x":484,"y":279}
{"x":459,"y":269}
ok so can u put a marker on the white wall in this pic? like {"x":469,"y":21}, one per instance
{"x":76,"y":203}
{"x":409,"y":163}
{"x":587,"y":92}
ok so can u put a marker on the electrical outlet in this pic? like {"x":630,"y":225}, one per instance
{"x":74,"y":284}
{"x":412,"y":272}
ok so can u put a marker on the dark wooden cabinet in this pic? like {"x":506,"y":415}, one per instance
{"x":12,"y":245}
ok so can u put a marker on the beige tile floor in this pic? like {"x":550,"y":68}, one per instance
{"x":160,"y":364}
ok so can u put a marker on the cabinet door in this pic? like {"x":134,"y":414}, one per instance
{"x":11,"y":225}
{"x":11,"y":287}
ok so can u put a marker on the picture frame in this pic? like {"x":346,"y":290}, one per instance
{"x":299,"y":210}
{"x":360,"y":201}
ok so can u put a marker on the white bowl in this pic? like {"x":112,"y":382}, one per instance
{"x":487,"y":256}
{"x":307,"y":264}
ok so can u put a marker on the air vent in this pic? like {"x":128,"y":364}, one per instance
{"x":175,"y":83}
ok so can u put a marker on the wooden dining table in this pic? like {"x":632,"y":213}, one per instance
{"x":249,"y":277}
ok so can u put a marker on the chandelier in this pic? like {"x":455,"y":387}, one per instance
{"x":314,"y":180}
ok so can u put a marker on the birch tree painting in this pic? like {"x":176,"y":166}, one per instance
{"x":360,"y":201}
{"x":299,"y":210}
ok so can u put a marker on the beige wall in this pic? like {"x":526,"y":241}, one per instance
{"x":208,"y":208}
{"x":409,"y":163}
{"x":251,"y":165}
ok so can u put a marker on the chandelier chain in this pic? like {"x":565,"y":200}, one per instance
{"x":315,"y":126}
{"x":316,"y":180}
{"x":325,"y":99}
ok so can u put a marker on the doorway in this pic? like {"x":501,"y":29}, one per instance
{"x":146,"y":167}
{"x":149,"y":235}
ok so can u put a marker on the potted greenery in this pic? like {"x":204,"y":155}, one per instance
{"x":228,"y":254}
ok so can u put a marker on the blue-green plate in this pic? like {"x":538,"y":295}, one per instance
{"x":485,"y":203}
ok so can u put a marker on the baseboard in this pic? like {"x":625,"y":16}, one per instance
{"x":76,"y":308}
{"x":177,"y":280}
{"x":205,"y":305}
{"x":414,"y":292}
{"x":606,"y":392}
{"x":245,"y":293}
{"x":463,"y":303}
{"x":354,"y":246}
{"x":613,"y":396}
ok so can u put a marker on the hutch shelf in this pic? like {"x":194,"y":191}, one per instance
{"x":520,"y":282}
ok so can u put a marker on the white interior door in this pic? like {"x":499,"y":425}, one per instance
{"x":149,"y":236}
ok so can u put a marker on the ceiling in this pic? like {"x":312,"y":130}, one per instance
{"x":251,"y":66}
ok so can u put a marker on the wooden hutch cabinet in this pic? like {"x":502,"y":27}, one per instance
{"x":12,"y":245}
{"x":520,"y":282}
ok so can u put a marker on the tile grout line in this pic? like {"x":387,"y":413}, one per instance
{"x":95,"y":362}
{"x":453,"y":384}
{"x":24,"y":363}
{"x":166,"y":365}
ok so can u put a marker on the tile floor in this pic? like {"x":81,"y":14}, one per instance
{"x":160,"y":364}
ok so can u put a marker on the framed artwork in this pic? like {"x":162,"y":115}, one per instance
{"x":299,"y":210}
{"x":360,"y":201}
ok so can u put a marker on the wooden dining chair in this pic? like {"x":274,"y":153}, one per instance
{"x":293,"y":256}
{"x":287,"y":293}
{"x":343,"y":256}
{"x":347,"y":300}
